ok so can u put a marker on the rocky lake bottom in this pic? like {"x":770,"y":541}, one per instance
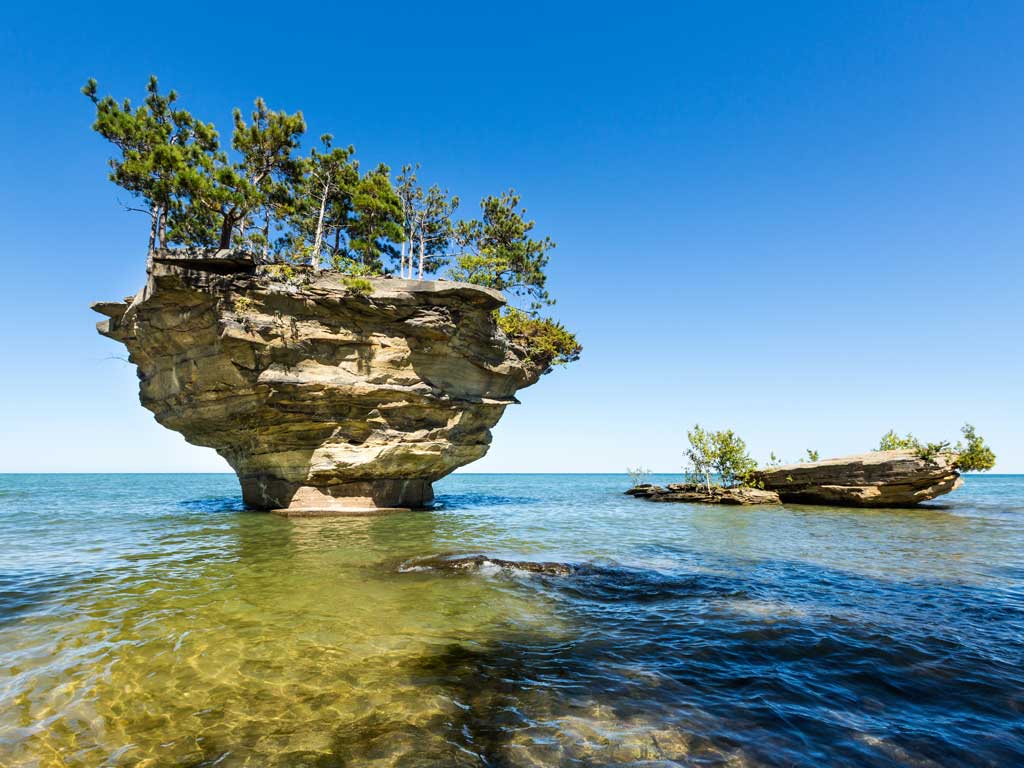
{"x":148,"y":620}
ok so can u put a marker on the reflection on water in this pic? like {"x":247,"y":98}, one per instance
{"x":147,"y":620}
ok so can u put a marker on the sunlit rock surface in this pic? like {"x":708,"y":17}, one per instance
{"x":690,"y":493}
{"x":695,"y":493}
{"x":874,"y":479}
{"x":322,"y":400}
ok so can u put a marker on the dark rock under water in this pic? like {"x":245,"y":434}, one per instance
{"x":478,"y":562}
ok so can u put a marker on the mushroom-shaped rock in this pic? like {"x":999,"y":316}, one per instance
{"x":324,"y":397}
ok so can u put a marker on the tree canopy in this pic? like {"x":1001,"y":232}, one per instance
{"x":722,"y":453}
{"x":968,"y":455}
{"x":498,"y":251}
{"x":260,"y":193}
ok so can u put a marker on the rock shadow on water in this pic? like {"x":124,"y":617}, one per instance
{"x":215,"y":504}
{"x":23,"y":592}
{"x":453,"y":501}
{"x":677,"y":667}
{"x":524,"y":700}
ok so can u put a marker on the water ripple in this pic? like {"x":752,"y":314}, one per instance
{"x":148,"y":620}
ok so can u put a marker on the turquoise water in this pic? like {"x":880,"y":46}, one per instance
{"x":147,"y":620}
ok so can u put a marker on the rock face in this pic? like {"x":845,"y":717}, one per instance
{"x":693,"y":493}
{"x":322,"y":399}
{"x":875,"y":479}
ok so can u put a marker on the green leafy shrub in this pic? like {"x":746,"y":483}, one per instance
{"x":346,"y":265}
{"x":546,"y":342}
{"x":812,"y":455}
{"x":722,"y":453}
{"x":974,"y":456}
{"x":638,"y":475}
{"x":242,"y":305}
{"x":284,"y":272}
{"x":358,"y":285}
{"x":931,"y":451}
{"x":892,"y":442}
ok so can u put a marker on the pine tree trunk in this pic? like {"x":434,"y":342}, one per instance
{"x":225,"y":230}
{"x":162,"y":233}
{"x":266,"y":234}
{"x":401,"y":268}
{"x":318,"y":240}
{"x":154,"y":213}
{"x":423,"y":246}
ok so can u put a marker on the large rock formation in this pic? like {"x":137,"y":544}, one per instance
{"x":323,"y":398}
{"x":875,"y":479}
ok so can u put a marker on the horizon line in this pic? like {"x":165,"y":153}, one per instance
{"x":232,"y":474}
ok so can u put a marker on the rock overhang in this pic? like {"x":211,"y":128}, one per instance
{"x":320,"y":397}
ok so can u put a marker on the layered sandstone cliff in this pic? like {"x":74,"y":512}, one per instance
{"x":874,"y":479}
{"x":322,"y":399}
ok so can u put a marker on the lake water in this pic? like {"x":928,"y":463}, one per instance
{"x":147,"y":620}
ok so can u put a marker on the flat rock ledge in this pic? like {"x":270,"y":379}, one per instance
{"x":324,"y":399}
{"x":692,"y":493}
{"x":876,"y":479}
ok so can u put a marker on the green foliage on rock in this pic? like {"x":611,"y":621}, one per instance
{"x":358,"y":285}
{"x":377,"y":220}
{"x":497,"y":251}
{"x":159,"y":147}
{"x":974,"y":455}
{"x":546,"y":342}
{"x":970,"y":456}
{"x":428,"y":225}
{"x":322,"y":205}
{"x":262,"y":195}
{"x":893,"y":442}
{"x":722,"y":453}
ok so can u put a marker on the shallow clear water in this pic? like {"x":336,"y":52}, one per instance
{"x":146,"y":620}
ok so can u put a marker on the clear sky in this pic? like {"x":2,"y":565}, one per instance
{"x":801,"y":220}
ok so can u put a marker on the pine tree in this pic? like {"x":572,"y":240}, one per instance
{"x":410,"y":193}
{"x":266,"y":171}
{"x":497,"y":251}
{"x":433,"y":229}
{"x":322,"y":201}
{"x":159,"y":143}
{"x":377,"y":224}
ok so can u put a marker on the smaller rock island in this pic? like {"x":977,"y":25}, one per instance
{"x":894,"y":478}
{"x":323,"y":396}
{"x":897,"y":478}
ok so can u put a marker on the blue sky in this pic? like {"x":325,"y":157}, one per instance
{"x":805,"y":223}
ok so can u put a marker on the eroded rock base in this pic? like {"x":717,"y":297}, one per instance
{"x":371,"y":497}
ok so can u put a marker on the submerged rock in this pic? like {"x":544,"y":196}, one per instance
{"x":476,"y":562}
{"x":875,"y":479}
{"x":322,"y":399}
{"x":694,"y":493}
